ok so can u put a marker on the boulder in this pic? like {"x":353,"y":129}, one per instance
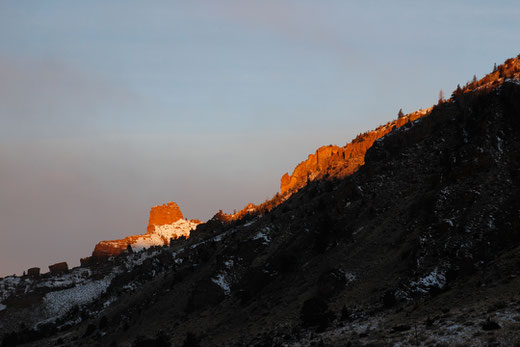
{"x":59,"y":267}
{"x":33,"y":272}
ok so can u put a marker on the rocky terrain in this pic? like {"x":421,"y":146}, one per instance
{"x":339,"y":162}
{"x":327,"y":162}
{"x":166,"y":223}
{"x":413,"y":240}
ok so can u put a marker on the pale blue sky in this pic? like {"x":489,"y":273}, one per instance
{"x":108,"y":108}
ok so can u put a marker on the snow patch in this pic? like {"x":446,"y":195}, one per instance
{"x":260,"y":235}
{"x":513,"y":80}
{"x":221,"y":282}
{"x":250,"y":223}
{"x":59,"y":302}
{"x":229,"y":263}
{"x":219,"y":237}
{"x":499,"y":145}
{"x":465,"y":134}
{"x":350,"y":277}
{"x":8,"y":286}
{"x":109,"y":301}
{"x":491,"y":223}
{"x":162,"y":234}
{"x":434,"y":279}
{"x":76,"y":276}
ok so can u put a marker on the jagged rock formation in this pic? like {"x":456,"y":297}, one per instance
{"x":339,"y":162}
{"x":166,"y":222}
{"x":331,"y":162}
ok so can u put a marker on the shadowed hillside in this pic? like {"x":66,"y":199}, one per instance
{"x":416,"y":243}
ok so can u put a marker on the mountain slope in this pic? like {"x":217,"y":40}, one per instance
{"x":420,"y":245}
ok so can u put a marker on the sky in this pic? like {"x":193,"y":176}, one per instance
{"x":110,"y":108}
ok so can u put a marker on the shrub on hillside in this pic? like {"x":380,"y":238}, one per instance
{"x":315,"y":313}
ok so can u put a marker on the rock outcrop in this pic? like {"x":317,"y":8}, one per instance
{"x":337,"y":161}
{"x":166,"y":222}
{"x":327,"y":162}
{"x":59,"y":267}
{"x":33,"y":272}
{"x":164,"y":214}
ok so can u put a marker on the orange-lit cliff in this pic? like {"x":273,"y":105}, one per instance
{"x":337,"y":162}
{"x":166,"y":222}
{"x":327,"y":162}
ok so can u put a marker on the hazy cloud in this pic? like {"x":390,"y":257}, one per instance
{"x":46,"y":97}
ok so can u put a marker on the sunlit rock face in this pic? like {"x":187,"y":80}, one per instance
{"x":327,"y":162}
{"x":164,"y":214}
{"x":337,"y":161}
{"x":166,"y":222}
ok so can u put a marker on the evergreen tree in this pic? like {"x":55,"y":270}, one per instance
{"x":400,"y":114}
{"x":441,"y":96}
{"x":457,"y":91}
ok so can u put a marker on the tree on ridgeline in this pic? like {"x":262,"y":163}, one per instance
{"x":441,"y":96}
{"x":457,"y":91}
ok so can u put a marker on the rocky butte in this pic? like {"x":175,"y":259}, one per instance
{"x":166,"y":222}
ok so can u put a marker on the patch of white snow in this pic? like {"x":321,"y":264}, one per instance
{"x":229,"y":263}
{"x":221,"y":282}
{"x":59,"y":302}
{"x":261,"y":235}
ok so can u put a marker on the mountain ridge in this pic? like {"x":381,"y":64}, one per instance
{"x":328,"y":161}
{"x":418,"y":246}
